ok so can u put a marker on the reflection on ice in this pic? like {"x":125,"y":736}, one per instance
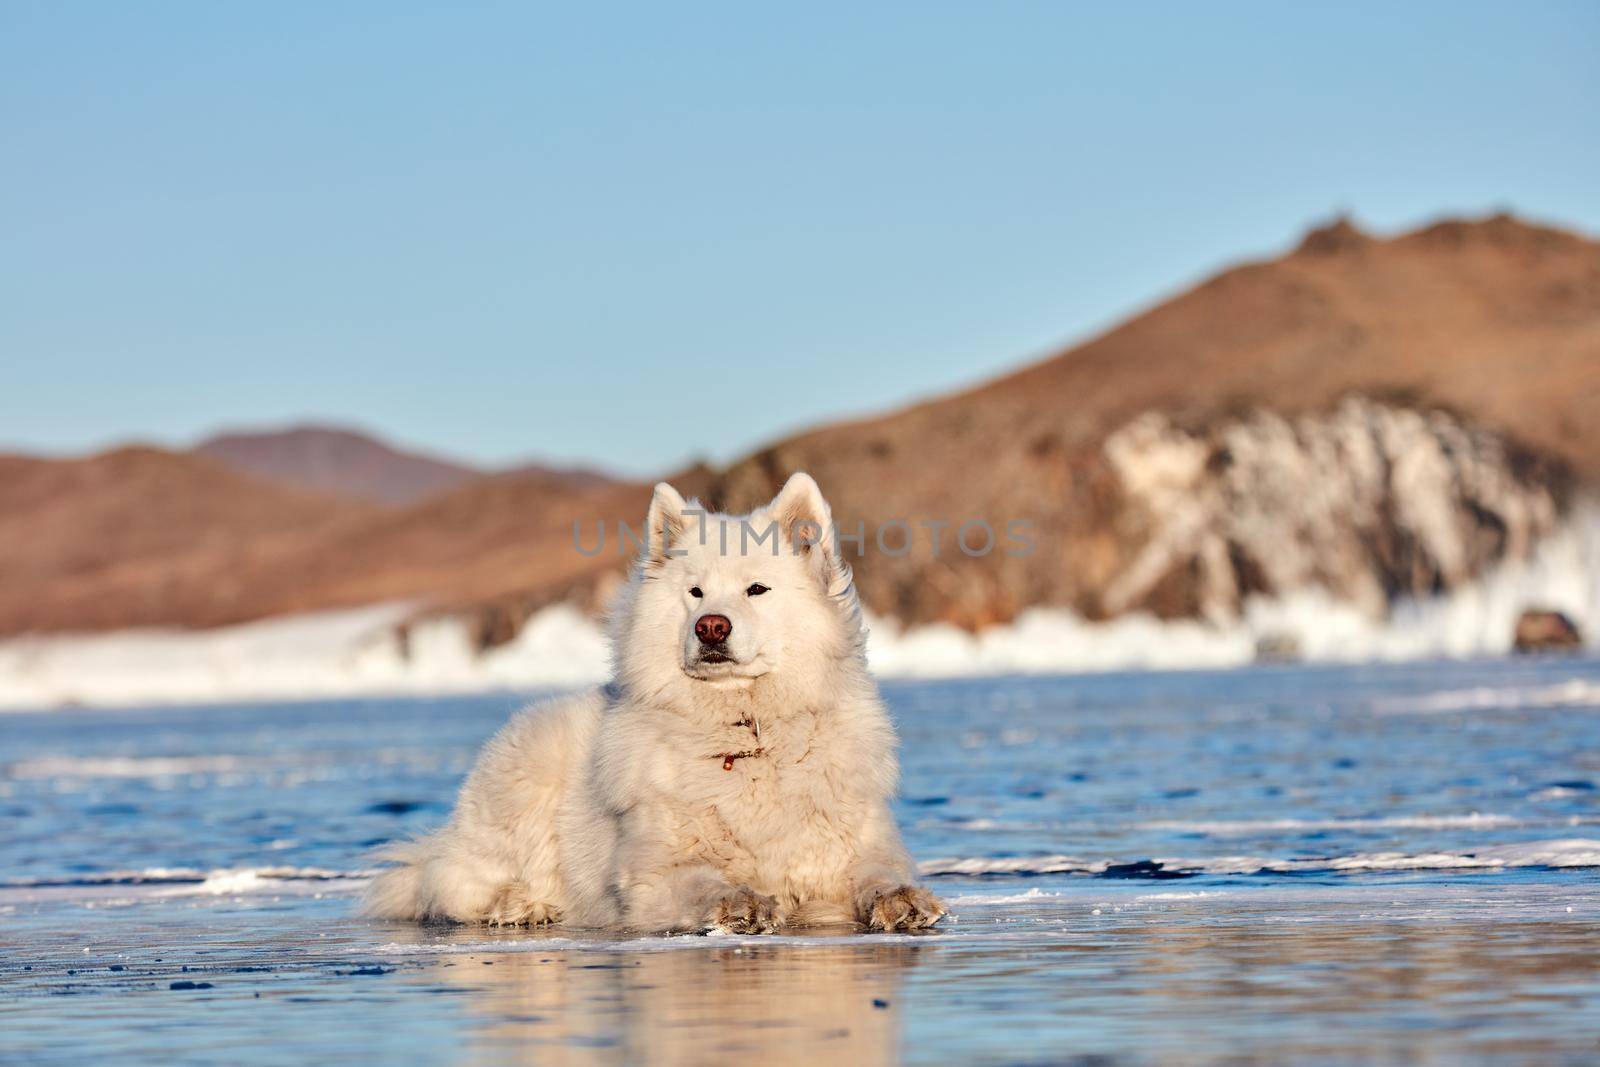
{"x":707,"y":1004}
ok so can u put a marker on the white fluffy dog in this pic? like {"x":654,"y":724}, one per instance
{"x":735,"y":776}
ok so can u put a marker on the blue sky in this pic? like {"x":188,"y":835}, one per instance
{"x":636,"y":234}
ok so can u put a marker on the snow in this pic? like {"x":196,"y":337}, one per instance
{"x":327,"y":655}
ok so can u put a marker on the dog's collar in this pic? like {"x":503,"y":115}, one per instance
{"x":728,"y":758}
{"x":751,"y":723}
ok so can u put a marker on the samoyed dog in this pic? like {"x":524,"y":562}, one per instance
{"x":735,"y":776}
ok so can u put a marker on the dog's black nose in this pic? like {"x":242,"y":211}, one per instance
{"x":712,"y":629}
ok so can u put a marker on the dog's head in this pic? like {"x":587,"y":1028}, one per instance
{"x":727,"y":601}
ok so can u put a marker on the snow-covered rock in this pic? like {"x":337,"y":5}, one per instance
{"x":1368,"y":503}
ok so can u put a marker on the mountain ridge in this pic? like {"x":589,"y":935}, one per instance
{"x":347,"y":462}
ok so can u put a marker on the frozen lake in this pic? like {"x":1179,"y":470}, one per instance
{"x":1336,"y":864}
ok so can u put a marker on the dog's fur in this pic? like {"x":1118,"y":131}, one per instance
{"x":621,"y":808}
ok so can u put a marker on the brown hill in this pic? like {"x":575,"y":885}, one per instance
{"x":1203,"y":451}
{"x":498,"y":547}
{"x":1496,"y":320}
{"x":146,"y":537}
{"x":142,"y":537}
{"x":336,"y":461}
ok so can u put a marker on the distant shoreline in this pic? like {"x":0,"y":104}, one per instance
{"x":360,"y":653}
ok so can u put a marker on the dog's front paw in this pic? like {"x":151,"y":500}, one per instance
{"x":745,"y":912}
{"x":906,"y":907}
{"x":513,"y":905}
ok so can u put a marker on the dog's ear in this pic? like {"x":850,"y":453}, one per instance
{"x":807,"y":524}
{"x":663,"y":526}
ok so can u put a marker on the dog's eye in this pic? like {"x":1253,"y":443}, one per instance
{"x":696,"y":593}
{"x":755,"y":590}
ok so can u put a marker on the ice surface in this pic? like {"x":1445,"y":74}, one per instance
{"x":1226,"y":828}
{"x":1264,"y":865}
{"x":1575,"y":692}
{"x":161,"y":883}
{"x":966,"y":900}
{"x":1569,"y":852}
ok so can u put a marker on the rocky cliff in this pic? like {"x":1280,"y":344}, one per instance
{"x":1368,"y":501}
